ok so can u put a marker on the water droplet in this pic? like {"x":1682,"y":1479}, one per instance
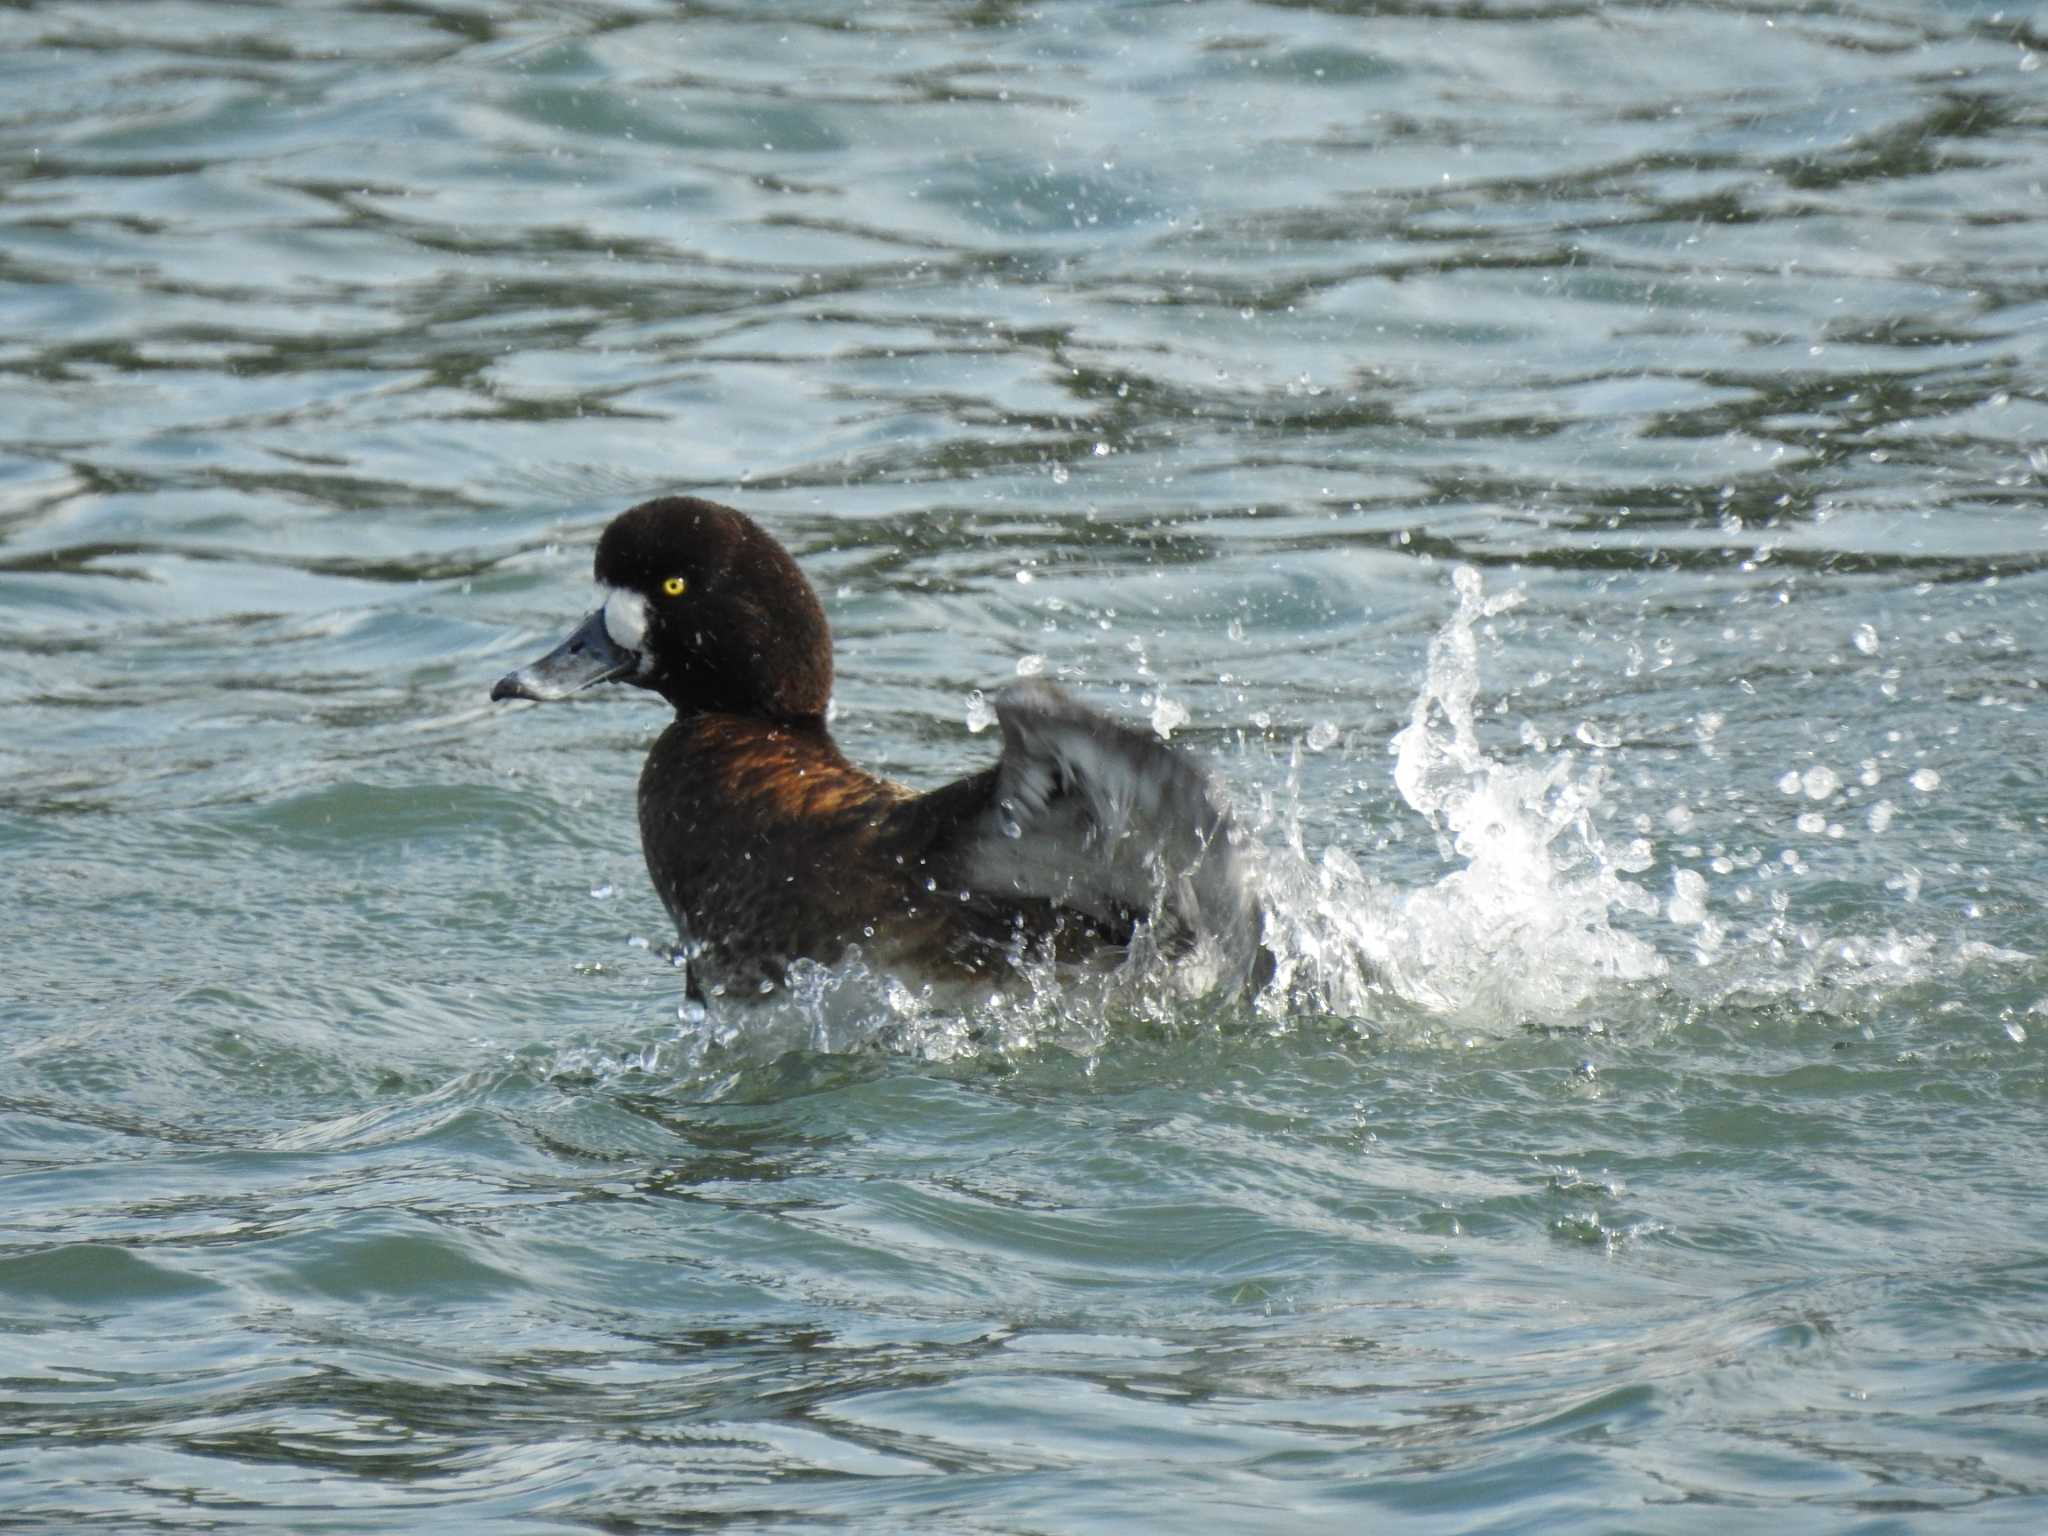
{"x":980,"y":713}
{"x":1321,"y":736}
{"x":1926,"y":780}
{"x":1880,"y":815}
{"x":1688,"y":906}
{"x":601,"y":892}
{"x":1167,"y":717}
{"x":1031,"y":665}
{"x":1866,"y":639}
{"x":1819,"y":782}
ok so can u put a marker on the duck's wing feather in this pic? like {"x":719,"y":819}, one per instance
{"x":1111,"y":823}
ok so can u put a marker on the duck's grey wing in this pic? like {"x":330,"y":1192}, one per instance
{"x":1114,"y":824}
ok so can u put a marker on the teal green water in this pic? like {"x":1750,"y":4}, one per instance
{"x":1646,"y":1133}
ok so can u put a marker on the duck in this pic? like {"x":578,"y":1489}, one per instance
{"x":1086,"y":842}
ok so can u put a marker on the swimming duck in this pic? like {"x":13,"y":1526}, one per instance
{"x":767,"y":845}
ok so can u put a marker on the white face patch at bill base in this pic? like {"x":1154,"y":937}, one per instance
{"x":625,"y":619}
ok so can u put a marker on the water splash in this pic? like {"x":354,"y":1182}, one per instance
{"x":1523,"y":927}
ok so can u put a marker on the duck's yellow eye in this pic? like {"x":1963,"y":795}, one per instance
{"x":675,"y":586}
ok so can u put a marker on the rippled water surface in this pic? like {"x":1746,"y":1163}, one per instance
{"x":1577,"y":472}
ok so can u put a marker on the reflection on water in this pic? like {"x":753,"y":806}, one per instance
{"x":1575,"y":470}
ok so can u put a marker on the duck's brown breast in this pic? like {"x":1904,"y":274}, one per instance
{"x":767,"y":846}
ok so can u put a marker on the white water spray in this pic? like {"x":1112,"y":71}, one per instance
{"x":1521,"y":929}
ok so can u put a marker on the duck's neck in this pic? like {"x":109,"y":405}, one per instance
{"x":758,"y":771}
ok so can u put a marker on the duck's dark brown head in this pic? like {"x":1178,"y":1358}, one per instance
{"x":702,"y":606}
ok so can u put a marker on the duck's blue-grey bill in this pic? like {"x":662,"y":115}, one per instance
{"x":586,"y":658}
